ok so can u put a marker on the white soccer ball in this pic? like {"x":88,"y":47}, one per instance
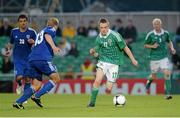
{"x":119,"y":100}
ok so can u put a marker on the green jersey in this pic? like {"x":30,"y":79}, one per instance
{"x":161,"y":38}
{"x":110,"y":47}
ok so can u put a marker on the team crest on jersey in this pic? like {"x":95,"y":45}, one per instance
{"x":109,"y":41}
{"x":27,"y":36}
{"x":163,"y":37}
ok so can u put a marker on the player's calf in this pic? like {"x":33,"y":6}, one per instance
{"x":55,"y":77}
{"x":148,"y":84}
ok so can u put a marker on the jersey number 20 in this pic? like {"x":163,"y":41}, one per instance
{"x":21,"y":41}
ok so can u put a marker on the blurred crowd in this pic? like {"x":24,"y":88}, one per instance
{"x":70,"y":47}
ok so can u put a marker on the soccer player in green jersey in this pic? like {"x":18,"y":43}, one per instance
{"x":156,"y":41}
{"x":109,"y":48}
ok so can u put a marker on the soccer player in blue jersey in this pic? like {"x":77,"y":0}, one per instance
{"x":21,"y":40}
{"x":40,"y":63}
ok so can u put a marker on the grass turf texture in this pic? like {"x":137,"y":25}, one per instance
{"x":75,"y":105}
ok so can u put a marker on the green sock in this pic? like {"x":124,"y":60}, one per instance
{"x":168,"y":86}
{"x":94,"y":95}
{"x":148,"y":83}
{"x":150,"y":79}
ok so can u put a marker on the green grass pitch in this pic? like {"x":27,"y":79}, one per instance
{"x":75,"y":105}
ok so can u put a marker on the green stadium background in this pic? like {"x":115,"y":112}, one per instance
{"x":142,"y":17}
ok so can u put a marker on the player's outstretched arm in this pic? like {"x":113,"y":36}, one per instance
{"x":51,"y":43}
{"x":130,"y":55}
{"x":170,"y":45}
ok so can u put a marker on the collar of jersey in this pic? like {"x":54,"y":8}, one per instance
{"x":52,"y":28}
{"x":101,"y":36}
{"x":162,"y":32}
{"x":24,"y":31}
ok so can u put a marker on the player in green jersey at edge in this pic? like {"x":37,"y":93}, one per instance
{"x":156,"y":41}
{"x":109,"y":49}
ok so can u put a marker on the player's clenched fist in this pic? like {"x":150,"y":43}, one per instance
{"x":31,"y":41}
{"x":56,"y":50}
{"x":155,"y":45}
{"x":93,"y":52}
{"x":135,"y":62}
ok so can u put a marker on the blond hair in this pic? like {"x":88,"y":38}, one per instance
{"x":53,"y":22}
{"x":157,"y":20}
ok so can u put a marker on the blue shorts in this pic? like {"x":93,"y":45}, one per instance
{"x":19,"y":67}
{"x":36,"y":69}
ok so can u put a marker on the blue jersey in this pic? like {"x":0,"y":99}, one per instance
{"x":22,"y":48}
{"x":42,"y":50}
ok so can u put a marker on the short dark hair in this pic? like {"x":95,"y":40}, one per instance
{"x":103,"y":20}
{"x":23,"y":16}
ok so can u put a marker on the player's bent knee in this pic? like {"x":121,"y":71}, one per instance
{"x":153,"y":76}
{"x":36,"y":84}
{"x":96,"y":84}
{"x":37,"y":87}
{"x":167,"y":76}
{"x":55,"y":77}
{"x":109,"y":88}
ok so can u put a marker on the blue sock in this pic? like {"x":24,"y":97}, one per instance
{"x":27,"y":85}
{"x":27,"y":94}
{"x":45,"y":89}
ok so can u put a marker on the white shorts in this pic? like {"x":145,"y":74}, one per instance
{"x":159,"y":65}
{"x":110,"y":70}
